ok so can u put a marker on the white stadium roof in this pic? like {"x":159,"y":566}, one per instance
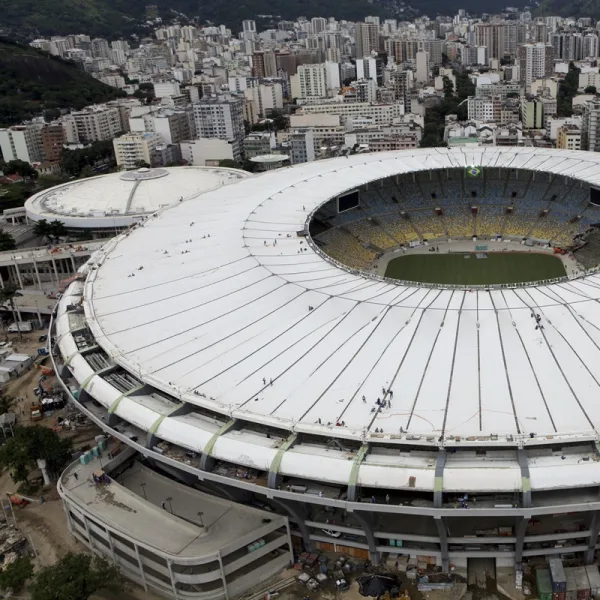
{"x":210,"y":299}
{"x":121,"y":199}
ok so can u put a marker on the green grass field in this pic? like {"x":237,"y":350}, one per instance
{"x":502,"y":267}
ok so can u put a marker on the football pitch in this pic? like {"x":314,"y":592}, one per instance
{"x":467,"y":269}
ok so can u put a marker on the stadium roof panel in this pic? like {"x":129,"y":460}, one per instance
{"x":218,"y":302}
{"x":121,"y":199}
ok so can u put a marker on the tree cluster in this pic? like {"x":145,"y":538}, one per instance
{"x":52,"y":230}
{"x":21,"y":452}
{"x":73,"y":577}
{"x":567,"y":90}
{"x":73,"y":162}
{"x":452,"y":104}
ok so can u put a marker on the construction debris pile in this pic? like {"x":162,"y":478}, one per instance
{"x":12,"y":545}
{"x":319,"y":570}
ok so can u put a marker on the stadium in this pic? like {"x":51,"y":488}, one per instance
{"x":248,"y":343}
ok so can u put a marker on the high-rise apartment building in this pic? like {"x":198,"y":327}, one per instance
{"x":567,"y":46}
{"x":96,"y":123}
{"x":22,"y":142}
{"x":302,"y":146}
{"x":53,"y":140}
{"x":264,"y":64}
{"x":501,"y":38}
{"x":312,"y":81}
{"x":100,"y":48}
{"x":590,"y":129}
{"x":319,"y":24}
{"x":366,"y":36}
{"x":536,"y":61}
{"x":400,"y":83}
{"x":221,"y":118}
{"x":133,"y":148}
{"x":265,"y":97}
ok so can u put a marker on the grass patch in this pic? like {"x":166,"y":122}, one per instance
{"x":467,"y":269}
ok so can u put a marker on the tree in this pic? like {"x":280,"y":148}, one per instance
{"x":15,"y":575}
{"x":7,"y":241}
{"x":21,"y":452}
{"x":590,"y":89}
{"x":42,"y":229}
{"x":6,"y":403}
{"x":57,"y":229}
{"x":7,"y":295}
{"x":141,"y":164}
{"x":75,"y":577}
{"x":22,"y":168}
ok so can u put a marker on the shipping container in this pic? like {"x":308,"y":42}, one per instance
{"x":594,"y":579}
{"x":571,"y":584}
{"x":583,"y":583}
{"x":557,"y":575}
{"x":544,"y":585}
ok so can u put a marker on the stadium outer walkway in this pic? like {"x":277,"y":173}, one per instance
{"x":572,"y":267}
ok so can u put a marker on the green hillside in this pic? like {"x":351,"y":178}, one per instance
{"x":569,"y":8}
{"x":32,"y":82}
{"x":116,"y":18}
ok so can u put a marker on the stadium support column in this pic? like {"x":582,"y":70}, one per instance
{"x":520,"y":531}
{"x":19,"y":276}
{"x":438,"y":486}
{"x":299,"y":514}
{"x":443,"y":535}
{"x":37,"y":275}
{"x":367,"y":522}
{"x":207,"y":462}
{"x":594,"y":531}
{"x":274,"y":478}
{"x":353,"y":481}
{"x":181,"y":409}
{"x":525,"y":481}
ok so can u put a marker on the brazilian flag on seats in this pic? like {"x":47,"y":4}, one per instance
{"x":474,"y":171}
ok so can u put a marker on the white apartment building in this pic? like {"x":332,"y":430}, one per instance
{"x":22,"y":142}
{"x":485,"y":108}
{"x":422,"y":61}
{"x":332,"y":75}
{"x":96,"y":123}
{"x":589,"y":78}
{"x":265,"y":97}
{"x":132,"y":148}
{"x":366,"y":68}
{"x":208,"y":151}
{"x":173,"y":125}
{"x":379,"y":114}
{"x":302,"y":146}
{"x":311,"y":81}
{"x":165,"y":89}
{"x":535,"y":61}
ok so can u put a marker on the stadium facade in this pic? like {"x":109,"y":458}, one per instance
{"x":219,"y":340}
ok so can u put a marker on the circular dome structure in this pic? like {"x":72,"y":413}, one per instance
{"x":221,"y":303}
{"x":118,"y":200}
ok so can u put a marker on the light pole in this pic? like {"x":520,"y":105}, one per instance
{"x":200,"y":515}
{"x":143,"y":486}
{"x":169,"y":501}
